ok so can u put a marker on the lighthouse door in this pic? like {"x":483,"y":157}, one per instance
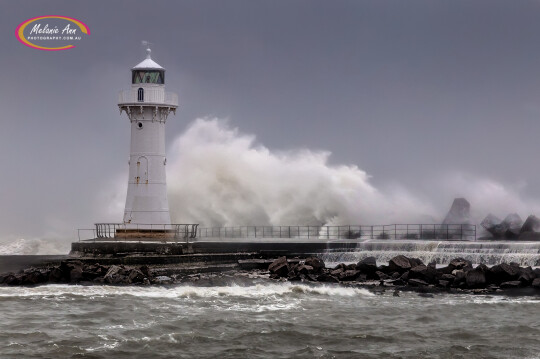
{"x":142,"y":170}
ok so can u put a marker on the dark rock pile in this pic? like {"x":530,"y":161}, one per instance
{"x":410,"y":272}
{"x":512,"y":227}
{"x":75,"y":271}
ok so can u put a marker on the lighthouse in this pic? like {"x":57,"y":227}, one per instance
{"x":147,"y":106}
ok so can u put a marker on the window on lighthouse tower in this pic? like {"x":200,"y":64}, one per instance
{"x":140,"y":95}
{"x":148,"y":77}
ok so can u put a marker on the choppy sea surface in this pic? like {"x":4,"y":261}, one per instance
{"x":259,"y":318}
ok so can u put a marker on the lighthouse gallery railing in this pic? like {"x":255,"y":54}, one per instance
{"x":151,"y":96}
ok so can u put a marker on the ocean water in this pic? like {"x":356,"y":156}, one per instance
{"x":240,"y":317}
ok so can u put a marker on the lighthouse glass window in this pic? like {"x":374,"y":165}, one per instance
{"x":148,"y":77}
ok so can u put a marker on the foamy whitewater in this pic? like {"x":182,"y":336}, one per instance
{"x":219,"y":176}
{"x":259,"y":319}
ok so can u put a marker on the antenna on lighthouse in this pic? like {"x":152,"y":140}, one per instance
{"x":147,"y":45}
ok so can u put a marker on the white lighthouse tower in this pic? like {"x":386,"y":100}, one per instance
{"x":147,"y":106}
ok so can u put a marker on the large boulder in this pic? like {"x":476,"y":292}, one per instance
{"x":348,"y":275}
{"x":490,"y":221}
{"x":503,"y":273}
{"x":399,"y":264}
{"x":475,"y":278}
{"x":12,"y":279}
{"x":279,"y":267}
{"x":116,"y":275}
{"x":367,"y":265}
{"x":459,"y":213}
{"x":526,"y":275}
{"x":426,"y":273}
{"x":509,"y":228}
{"x":315,"y":262}
{"x":33,"y":277}
{"x":459,"y":263}
{"x":76,"y":275}
{"x":531,"y":224}
{"x":514,"y":223}
{"x":135,"y":276}
{"x":56,"y":275}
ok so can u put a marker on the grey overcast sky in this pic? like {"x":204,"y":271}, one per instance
{"x":411,"y":91}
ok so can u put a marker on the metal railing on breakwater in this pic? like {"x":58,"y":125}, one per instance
{"x":390,"y":231}
{"x":187,"y":232}
{"x":124,"y":231}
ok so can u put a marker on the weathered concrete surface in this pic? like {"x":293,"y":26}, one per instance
{"x":266,"y":248}
{"x":124,"y":248}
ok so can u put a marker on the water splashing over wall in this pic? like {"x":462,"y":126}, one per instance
{"x":441,"y":252}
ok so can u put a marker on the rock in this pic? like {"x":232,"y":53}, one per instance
{"x":115,"y":275}
{"x":367,"y":265}
{"x":348,"y":275}
{"x":317,"y":264}
{"x":336,"y":272}
{"x":502,"y":273}
{"x":381,"y":276}
{"x":145,"y":270}
{"x":12,"y":279}
{"x":417,"y":282}
{"x":536,"y":283}
{"x":32,"y":278}
{"x":280,"y":267}
{"x":136,"y":276}
{"x":459,"y":212}
{"x":490,"y":221}
{"x":513,"y":222}
{"x":444,"y":283}
{"x":511,"y":284}
{"x":531,"y":224}
{"x":510,"y":227}
{"x":395,"y":275}
{"x":460,"y":277}
{"x":448,"y":277}
{"x":475,"y":278}
{"x":526,"y":275}
{"x":399,"y":264}
{"x":327,"y":278}
{"x":459,"y":263}
{"x":423,"y":272}
{"x":277,"y":263}
{"x":362,"y":277}
{"x":350,"y":267}
{"x":76,"y":275}
{"x":415,"y":262}
{"x":304,"y":269}
{"x":404,"y":277}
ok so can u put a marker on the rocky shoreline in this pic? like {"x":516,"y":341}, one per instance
{"x":411,"y":273}
{"x":401,"y":273}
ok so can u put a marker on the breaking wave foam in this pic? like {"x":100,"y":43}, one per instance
{"x":185,"y":291}
{"x":221,"y":177}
